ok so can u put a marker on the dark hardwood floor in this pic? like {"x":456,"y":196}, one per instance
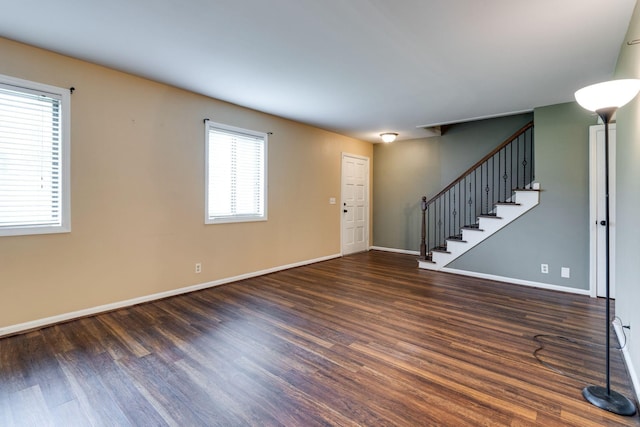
{"x":365,"y":340}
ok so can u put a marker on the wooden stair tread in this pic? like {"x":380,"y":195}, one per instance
{"x":442,"y":251}
{"x":494,"y":216}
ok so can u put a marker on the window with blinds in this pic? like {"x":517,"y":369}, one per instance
{"x":236,"y":174}
{"x":34,"y":155}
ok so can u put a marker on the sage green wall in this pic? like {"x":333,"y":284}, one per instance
{"x":407,"y":170}
{"x":628,"y":197}
{"x":556,"y":232}
{"x":399,"y":181}
{"x":464,"y":144}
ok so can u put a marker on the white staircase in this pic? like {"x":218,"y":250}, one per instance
{"x":504,"y":213}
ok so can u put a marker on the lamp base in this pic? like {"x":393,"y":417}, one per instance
{"x":612,"y":401}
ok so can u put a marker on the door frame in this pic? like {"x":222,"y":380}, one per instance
{"x":594,"y":160}
{"x":367,"y":195}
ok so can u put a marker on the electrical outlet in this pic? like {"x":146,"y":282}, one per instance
{"x":544,"y":268}
{"x":198,"y":267}
{"x":565,"y":272}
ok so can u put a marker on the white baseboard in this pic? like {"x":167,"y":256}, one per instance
{"x":398,"y":251}
{"x":40,"y":323}
{"x":627,"y":359}
{"x":517,"y":281}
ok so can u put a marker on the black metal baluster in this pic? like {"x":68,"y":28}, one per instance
{"x":518,"y":165}
{"x":464,"y":203}
{"x":428,"y":232}
{"x":486,"y":190}
{"x":470,"y":203}
{"x":532,"y":158}
{"x":510,"y":170}
{"x":460,"y":207}
{"x":524,"y":163}
{"x":481,"y":189}
{"x":444,"y":218}
{"x":448,"y":217}
{"x":437,"y":225}
{"x":499,"y":173}
{"x":493,"y":182}
{"x":455,"y":214}
{"x":475,"y":195}
{"x":505,"y":176}
{"x":490,"y":183}
{"x":439,"y":222}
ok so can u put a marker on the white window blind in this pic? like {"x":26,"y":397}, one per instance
{"x":236,"y":174}
{"x":33,"y":165}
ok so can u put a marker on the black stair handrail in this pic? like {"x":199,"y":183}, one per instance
{"x":490,"y":180}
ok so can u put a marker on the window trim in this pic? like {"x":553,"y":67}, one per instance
{"x":65,"y":157}
{"x":209,"y":125}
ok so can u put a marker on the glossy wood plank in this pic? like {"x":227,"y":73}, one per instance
{"x":364,"y":340}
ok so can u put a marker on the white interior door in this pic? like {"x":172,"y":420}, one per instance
{"x":597,"y":199}
{"x":355,"y":204}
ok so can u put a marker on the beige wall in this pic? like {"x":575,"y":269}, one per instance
{"x":137,"y":180}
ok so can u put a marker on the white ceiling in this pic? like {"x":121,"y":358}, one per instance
{"x":357,"y":67}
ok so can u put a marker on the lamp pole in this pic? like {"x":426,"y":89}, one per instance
{"x":604,"y":397}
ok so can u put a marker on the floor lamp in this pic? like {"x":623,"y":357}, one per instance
{"x":604,"y":99}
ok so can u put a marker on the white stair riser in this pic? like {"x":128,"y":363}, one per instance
{"x":473,"y":237}
{"x":527,"y":197}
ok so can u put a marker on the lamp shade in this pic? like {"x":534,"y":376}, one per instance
{"x":612,"y":94}
{"x":388,"y":137}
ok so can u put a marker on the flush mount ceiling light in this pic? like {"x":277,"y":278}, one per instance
{"x":388,"y":137}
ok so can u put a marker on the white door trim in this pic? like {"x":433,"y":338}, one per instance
{"x":594,"y":264}
{"x":342,"y":198}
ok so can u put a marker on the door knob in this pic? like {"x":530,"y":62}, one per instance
{"x":603,"y":222}
{"x":345,"y":211}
